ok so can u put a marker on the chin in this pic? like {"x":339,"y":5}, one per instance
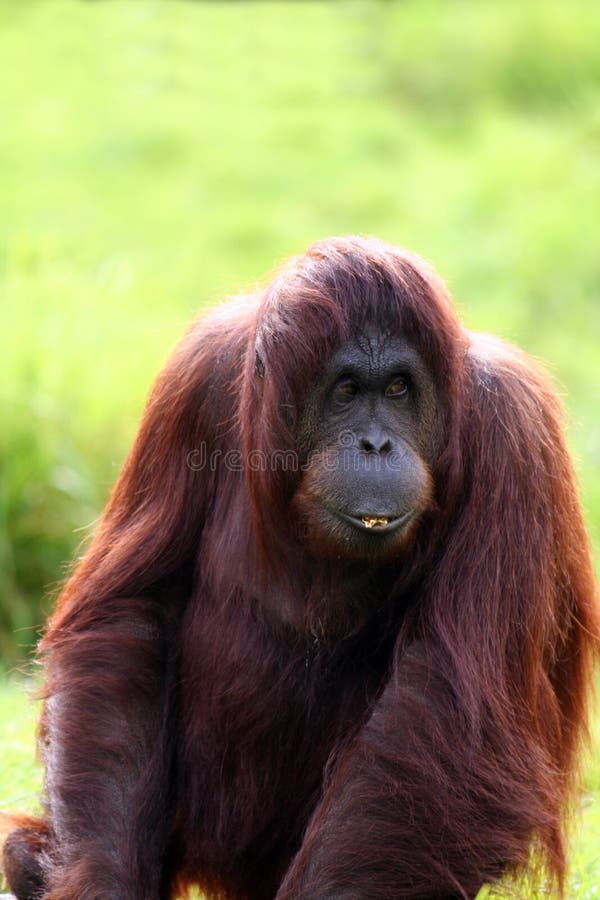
{"x":331,"y":534}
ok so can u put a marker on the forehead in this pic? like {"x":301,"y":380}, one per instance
{"x":375,"y":351}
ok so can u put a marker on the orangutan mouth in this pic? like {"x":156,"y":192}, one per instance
{"x":379,"y":524}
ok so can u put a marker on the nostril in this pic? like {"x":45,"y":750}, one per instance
{"x":383,"y":445}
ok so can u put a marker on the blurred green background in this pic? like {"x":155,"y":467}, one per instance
{"x":157,"y":156}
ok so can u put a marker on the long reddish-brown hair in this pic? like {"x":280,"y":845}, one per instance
{"x":506,"y":609}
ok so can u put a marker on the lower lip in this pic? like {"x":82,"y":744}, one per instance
{"x":392,"y":525}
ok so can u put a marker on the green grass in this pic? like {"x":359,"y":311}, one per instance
{"x":156,"y":156}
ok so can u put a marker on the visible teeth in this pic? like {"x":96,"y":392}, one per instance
{"x":372,"y":521}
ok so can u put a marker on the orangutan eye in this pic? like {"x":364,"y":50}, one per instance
{"x":346,"y":389}
{"x":397,"y":388}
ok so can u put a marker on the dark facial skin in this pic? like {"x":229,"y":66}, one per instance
{"x":370,"y":431}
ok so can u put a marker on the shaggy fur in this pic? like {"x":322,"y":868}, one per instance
{"x":226,"y":708}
